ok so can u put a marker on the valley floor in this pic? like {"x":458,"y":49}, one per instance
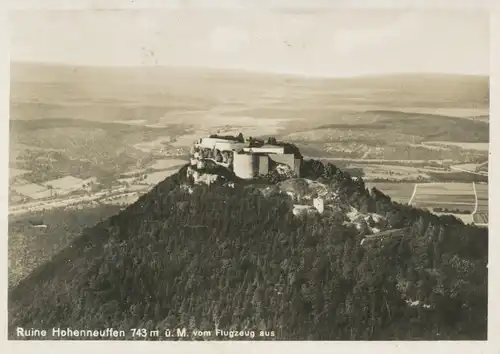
{"x":466,"y":201}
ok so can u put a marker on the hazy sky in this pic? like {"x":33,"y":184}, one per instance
{"x":325,"y":43}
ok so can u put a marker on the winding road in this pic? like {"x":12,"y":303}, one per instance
{"x":414,"y":193}
{"x":455,"y":168}
{"x":50,"y":204}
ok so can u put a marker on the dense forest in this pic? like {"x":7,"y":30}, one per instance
{"x":232,"y":258}
{"x":31,"y":246}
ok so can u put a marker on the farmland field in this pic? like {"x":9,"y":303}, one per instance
{"x":481,"y":218}
{"x":32,"y":190}
{"x":463,"y":145}
{"x":481,"y":215}
{"x":67,"y":183}
{"x":482,"y":197}
{"x":399,"y":192}
{"x":450,"y":196}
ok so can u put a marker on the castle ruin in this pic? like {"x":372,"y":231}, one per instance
{"x":247,"y":159}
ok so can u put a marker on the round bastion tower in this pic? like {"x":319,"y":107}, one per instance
{"x":246,"y":166}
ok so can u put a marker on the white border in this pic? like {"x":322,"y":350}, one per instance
{"x":295,"y":4}
{"x":491,"y":346}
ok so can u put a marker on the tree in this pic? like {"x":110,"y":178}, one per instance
{"x":272,"y":140}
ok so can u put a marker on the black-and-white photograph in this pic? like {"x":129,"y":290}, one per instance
{"x":255,"y":174}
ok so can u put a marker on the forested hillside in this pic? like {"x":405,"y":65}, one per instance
{"x":233,"y":258}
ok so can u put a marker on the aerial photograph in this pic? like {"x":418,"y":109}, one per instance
{"x":248,"y":174}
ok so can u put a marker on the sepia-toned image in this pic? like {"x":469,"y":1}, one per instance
{"x":256,"y":174}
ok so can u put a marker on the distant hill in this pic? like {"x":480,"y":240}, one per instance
{"x":425,"y":127}
{"x":45,"y":89}
{"x":202,"y":257}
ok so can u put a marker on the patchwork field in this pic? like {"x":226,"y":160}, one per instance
{"x":457,"y":199}
{"x":482,"y":197}
{"x":32,"y":190}
{"x":453,"y":197}
{"x":66,"y":185}
{"x":481,"y":215}
{"x":462,"y":145}
{"x":399,"y":192}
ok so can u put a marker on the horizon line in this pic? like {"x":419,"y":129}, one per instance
{"x":248,"y":71}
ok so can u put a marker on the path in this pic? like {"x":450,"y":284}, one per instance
{"x":476,"y":200}
{"x":366,"y":153}
{"x":414,"y":193}
{"x":464,"y":170}
{"x":50,"y":204}
{"x":390,"y":233}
